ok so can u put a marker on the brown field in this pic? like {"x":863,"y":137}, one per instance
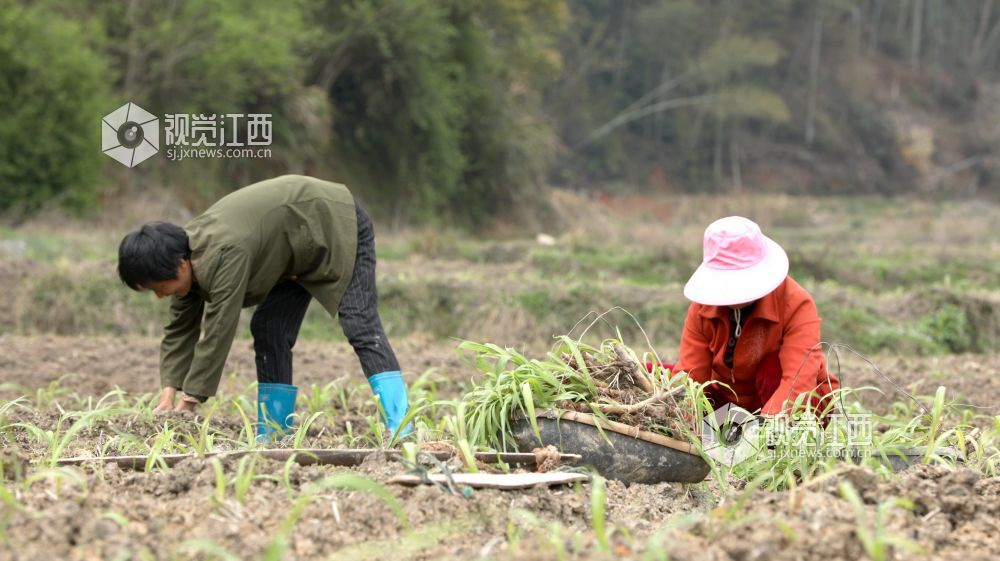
{"x":114,"y":513}
{"x":912,"y":286}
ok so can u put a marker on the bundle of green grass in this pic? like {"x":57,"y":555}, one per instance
{"x":609,"y":381}
{"x":612,"y":383}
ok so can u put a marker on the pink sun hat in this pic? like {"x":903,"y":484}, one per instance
{"x":740,"y":264}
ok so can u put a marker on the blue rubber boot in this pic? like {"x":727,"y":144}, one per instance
{"x":391,"y":391}
{"x":275,"y":406}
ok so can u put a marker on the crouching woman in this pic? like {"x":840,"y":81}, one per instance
{"x":750,"y":327}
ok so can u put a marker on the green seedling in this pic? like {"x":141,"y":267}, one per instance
{"x":519,"y":520}
{"x":377,"y":430}
{"x":123,"y":443}
{"x":332,"y":398}
{"x":143,"y":406}
{"x":7,"y":406}
{"x":871,"y":531}
{"x":654,"y":546}
{"x":241,"y":481}
{"x":44,"y":396}
{"x":249,"y":433}
{"x":467,"y":456}
{"x":208,"y":548}
{"x":278,"y":546}
{"x":163,"y":443}
{"x":117,"y":394}
{"x":58,"y":477}
{"x":597,"y":505}
{"x":410,"y":451}
{"x":7,"y":496}
{"x":286,"y":472}
{"x":424,"y":392}
{"x":246,"y":474}
{"x":350,"y":437}
{"x":416,"y":412}
{"x":205,"y":442}
{"x":738,"y":507}
{"x":354,"y":482}
{"x":56,"y":440}
{"x":937,"y":410}
{"x":302,"y":430}
{"x":557,"y":542}
{"x":317,"y":399}
{"x":220,"y":483}
{"x":116,"y":518}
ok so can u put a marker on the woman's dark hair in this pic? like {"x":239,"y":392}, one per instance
{"x":152,"y":253}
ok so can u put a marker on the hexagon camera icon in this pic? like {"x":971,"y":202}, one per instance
{"x":130,"y":134}
{"x":730,"y":435}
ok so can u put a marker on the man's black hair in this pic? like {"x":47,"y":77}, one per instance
{"x":152,"y":253}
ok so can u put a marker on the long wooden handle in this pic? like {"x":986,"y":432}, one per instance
{"x":307,"y":457}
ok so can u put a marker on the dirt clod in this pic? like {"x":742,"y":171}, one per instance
{"x":546,"y":459}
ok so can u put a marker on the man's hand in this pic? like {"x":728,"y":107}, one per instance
{"x":166,"y":400}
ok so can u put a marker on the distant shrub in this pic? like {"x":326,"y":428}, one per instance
{"x":52,"y":96}
{"x":950,"y":328}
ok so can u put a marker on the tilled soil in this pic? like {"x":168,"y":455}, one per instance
{"x":123,"y":514}
{"x":165,"y":509}
{"x":96,"y":365}
{"x":954,"y":515}
{"x":969,"y":379}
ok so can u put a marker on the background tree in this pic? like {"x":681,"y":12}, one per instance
{"x":461,"y":111}
{"x":52,"y":95}
{"x":436,"y":102}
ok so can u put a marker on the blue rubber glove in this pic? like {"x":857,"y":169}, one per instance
{"x":275,"y":407}
{"x":391,"y":391}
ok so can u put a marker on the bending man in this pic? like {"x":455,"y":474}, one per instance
{"x":276,"y":244}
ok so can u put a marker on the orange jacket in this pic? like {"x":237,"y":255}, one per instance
{"x":785,"y":322}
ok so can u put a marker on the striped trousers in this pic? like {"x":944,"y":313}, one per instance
{"x":276,"y":321}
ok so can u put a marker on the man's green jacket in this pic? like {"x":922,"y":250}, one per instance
{"x":241,"y":247}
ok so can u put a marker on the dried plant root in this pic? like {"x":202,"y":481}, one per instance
{"x":638,"y":371}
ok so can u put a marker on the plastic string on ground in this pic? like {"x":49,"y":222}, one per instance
{"x":424,"y":474}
